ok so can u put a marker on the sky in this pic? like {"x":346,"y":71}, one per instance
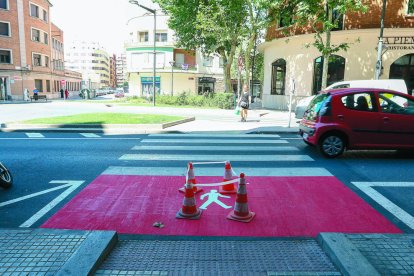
{"x":103,"y":21}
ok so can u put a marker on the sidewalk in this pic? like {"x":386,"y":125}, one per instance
{"x":258,"y":121}
{"x":71,"y":252}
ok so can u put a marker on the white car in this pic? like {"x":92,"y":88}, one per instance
{"x":395,"y":85}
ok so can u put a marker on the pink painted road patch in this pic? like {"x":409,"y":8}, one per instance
{"x":284,"y":207}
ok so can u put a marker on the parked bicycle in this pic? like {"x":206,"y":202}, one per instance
{"x":6,"y":179}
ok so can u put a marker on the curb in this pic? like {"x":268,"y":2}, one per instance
{"x":97,"y":128}
{"x":91,"y":254}
{"x":345,"y":256}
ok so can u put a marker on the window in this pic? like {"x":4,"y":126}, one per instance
{"x":39,"y":85}
{"x":5,"y":56}
{"x":403,"y":68}
{"x":161,"y":37}
{"x":37,"y":60}
{"x":278,"y":77}
{"x":336,"y":71}
{"x":338,"y":20}
{"x":207,"y":61}
{"x":46,"y":38}
{"x":46,"y":61}
{"x":45,"y":16}
{"x":179,"y":59}
{"x":221,"y":62}
{"x":47,"y":85}
{"x":395,"y":104}
{"x":410,"y":9}
{"x":359,"y":101}
{"x":35,"y":35}
{"x":4,"y":28}
{"x":34,"y":10}
{"x":4,"y":4}
{"x":143,"y":37}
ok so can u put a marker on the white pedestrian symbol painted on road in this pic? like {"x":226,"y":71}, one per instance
{"x":213,"y":197}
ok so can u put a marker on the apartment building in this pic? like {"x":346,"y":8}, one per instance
{"x":91,"y":60}
{"x":177,"y":70}
{"x":288,"y":61}
{"x":121,"y":70}
{"x":31,"y":51}
{"x":112,"y":71}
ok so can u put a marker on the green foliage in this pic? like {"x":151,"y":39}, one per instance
{"x":214,"y":100}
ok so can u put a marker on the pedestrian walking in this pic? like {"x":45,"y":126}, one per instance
{"x":61,"y":93}
{"x":244,"y":102}
{"x":35,"y":94}
{"x":66,"y":94}
{"x":26,"y":96}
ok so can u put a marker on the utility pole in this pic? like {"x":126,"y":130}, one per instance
{"x":378,"y":66}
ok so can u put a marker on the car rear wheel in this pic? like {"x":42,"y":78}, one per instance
{"x":332,"y":145}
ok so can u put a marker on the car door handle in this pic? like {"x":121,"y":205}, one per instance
{"x":340,"y":117}
{"x":386,"y":119}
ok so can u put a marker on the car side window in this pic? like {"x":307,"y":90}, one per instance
{"x":358,"y":101}
{"x":341,"y":86}
{"x":396,"y":104}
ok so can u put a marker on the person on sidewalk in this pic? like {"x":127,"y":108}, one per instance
{"x":244,"y":102}
{"x":35,"y":93}
{"x":61,"y":93}
{"x":26,"y":95}
{"x":66,"y":94}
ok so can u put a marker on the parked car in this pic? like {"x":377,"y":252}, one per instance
{"x":391,"y":84}
{"x":359,"y":118}
{"x":119,"y":94}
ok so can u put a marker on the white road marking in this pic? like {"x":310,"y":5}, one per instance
{"x":72,"y":185}
{"x":216,"y":157}
{"x":35,"y":135}
{"x":367,"y":188}
{"x":205,"y":135}
{"x":217,"y":171}
{"x":77,"y":138}
{"x":265,"y":148}
{"x":215,"y":141}
{"x":89,"y":135}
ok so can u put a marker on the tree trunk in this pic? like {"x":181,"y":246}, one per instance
{"x":327,"y":52}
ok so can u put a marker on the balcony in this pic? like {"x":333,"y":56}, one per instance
{"x":136,"y":44}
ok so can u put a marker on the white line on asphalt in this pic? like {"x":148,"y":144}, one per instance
{"x":218,"y":148}
{"x":216,"y":157}
{"x":217,"y":171}
{"x":367,"y":188}
{"x":78,"y":138}
{"x":214,"y":141}
{"x":206,"y":135}
{"x":35,"y":135}
{"x":89,"y":135}
{"x":73,"y":185}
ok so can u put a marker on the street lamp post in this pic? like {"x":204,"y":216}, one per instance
{"x":172,"y":77}
{"x":153,"y":11}
{"x":380,"y":42}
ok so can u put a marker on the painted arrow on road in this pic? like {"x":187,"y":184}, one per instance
{"x":71,"y":185}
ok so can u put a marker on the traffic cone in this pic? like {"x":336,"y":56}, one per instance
{"x":191,"y":178}
{"x":241,"y":208}
{"x":189,"y":209}
{"x":228,"y":188}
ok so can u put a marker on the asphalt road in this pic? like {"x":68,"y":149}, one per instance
{"x":35,"y":162}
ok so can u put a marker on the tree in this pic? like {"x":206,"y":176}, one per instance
{"x":322,"y":17}
{"x":214,"y":26}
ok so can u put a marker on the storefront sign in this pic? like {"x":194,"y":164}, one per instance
{"x":148,"y":80}
{"x":399,"y":40}
{"x":206,"y":80}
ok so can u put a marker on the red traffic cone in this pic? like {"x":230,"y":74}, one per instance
{"x":191,"y":179}
{"x":228,"y":188}
{"x":189,"y":209}
{"x":241,"y":208}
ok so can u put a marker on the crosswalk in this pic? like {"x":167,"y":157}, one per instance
{"x":254,"y":154}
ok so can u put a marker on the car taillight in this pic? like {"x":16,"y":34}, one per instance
{"x":326,"y":109}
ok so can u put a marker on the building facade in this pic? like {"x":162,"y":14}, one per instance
{"x":121,"y":70}
{"x":112,"y":71}
{"x":91,"y":60}
{"x":31,"y":51}
{"x":177,"y":70}
{"x":289,"y":65}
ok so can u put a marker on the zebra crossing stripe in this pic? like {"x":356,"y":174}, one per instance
{"x":216,"y":157}
{"x":216,"y":171}
{"x":34,"y":135}
{"x":215,"y":141}
{"x":218,"y":148}
{"x":90,"y":135}
{"x":230,"y":136}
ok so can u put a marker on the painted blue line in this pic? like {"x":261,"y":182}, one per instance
{"x":215,"y":141}
{"x":261,"y":147}
{"x":216,"y":157}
